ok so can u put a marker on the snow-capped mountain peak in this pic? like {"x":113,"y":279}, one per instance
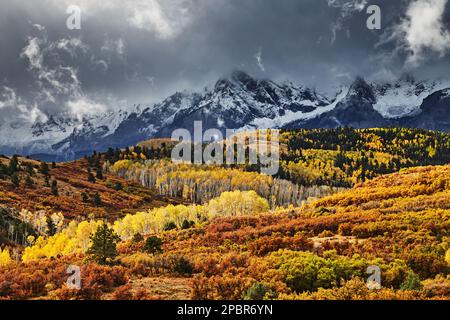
{"x":239,"y":102}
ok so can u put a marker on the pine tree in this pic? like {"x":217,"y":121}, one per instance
{"x":30,"y":170}
{"x":51,"y":228}
{"x":13,"y":165}
{"x":97,"y":199}
{"x":153,"y":245}
{"x":103,"y":249}
{"x":29,"y":181}
{"x":411,"y":283}
{"x":91,"y":177}
{"x":85,"y":197}
{"x":99,"y":173}
{"x":257,"y":292}
{"x":47,"y":181}
{"x":44,"y":168}
{"x":55,"y":188}
{"x":15,"y":179}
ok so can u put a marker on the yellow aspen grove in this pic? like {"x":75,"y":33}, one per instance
{"x":5,"y":257}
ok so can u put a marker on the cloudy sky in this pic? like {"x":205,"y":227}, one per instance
{"x":140,"y":51}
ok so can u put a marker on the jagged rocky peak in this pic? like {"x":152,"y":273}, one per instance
{"x":244,"y":80}
{"x":439,"y":100}
{"x":53,"y":123}
{"x":237,"y":80}
{"x":238,"y":101}
{"x":362,"y":90}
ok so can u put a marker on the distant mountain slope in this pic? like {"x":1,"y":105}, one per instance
{"x":355,"y":110}
{"x":404,"y":104}
{"x":434,"y":112}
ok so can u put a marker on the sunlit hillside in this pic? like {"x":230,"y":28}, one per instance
{"x":234,"y":247}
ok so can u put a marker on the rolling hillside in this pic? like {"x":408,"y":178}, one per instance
{"x":234,"y":247}
{"x":118,"y":196}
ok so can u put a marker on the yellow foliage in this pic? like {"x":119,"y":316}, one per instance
{"x":236,"y":203}
{"x":74,"y":239}
{"x":5,"y":258}
{"x":153,"y":221}
{"x":38,"y":220}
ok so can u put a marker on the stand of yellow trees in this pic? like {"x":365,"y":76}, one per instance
{"x":76,"y":237}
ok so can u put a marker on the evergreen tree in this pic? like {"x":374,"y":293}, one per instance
{"x":411,"y":283}
{"x":51,"y":228}
{"x":15,"y":179}
{"x":44,"y":168}
{"x":55,"y":188}
{"x":29,"y":181}
{"x":30,"y":170}
{"x":103,"y":249}
{"x":47,"y":181}
{"x":91,"y":177}
{"x":85,"y":197}
{"x":118,"y":186}
{"x":170,"y":226}
{"x":3,"y":171}
{"x":187,"y":224}
{"x":153,"y":245}
{"x":13,"y":165}
{"x":257,"y":292}
{"x":97,"y":199}
{"x":99,"y":173}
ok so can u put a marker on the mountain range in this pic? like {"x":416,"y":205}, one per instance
{"x":238,"y":102}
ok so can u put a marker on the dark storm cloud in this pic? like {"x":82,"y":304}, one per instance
{"x":143,"y":50}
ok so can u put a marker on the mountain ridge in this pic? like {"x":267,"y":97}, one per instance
{"x":239,"y":102}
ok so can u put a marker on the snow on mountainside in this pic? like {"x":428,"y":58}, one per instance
{"x":404,"y":97}
{"x":403,"y":103}
{"x":434,"y":112}
{"x":238,"y":102}
{"x":91,"y":129}
{"x":355,"y":109}
{"x":241,"y":101}
{"x":232,"y":103}
{"x":290,"y":116}
{"x":22,"y":137}
{"x":50,"y":136}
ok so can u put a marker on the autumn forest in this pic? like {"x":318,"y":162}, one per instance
{"x":138,"y":226}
